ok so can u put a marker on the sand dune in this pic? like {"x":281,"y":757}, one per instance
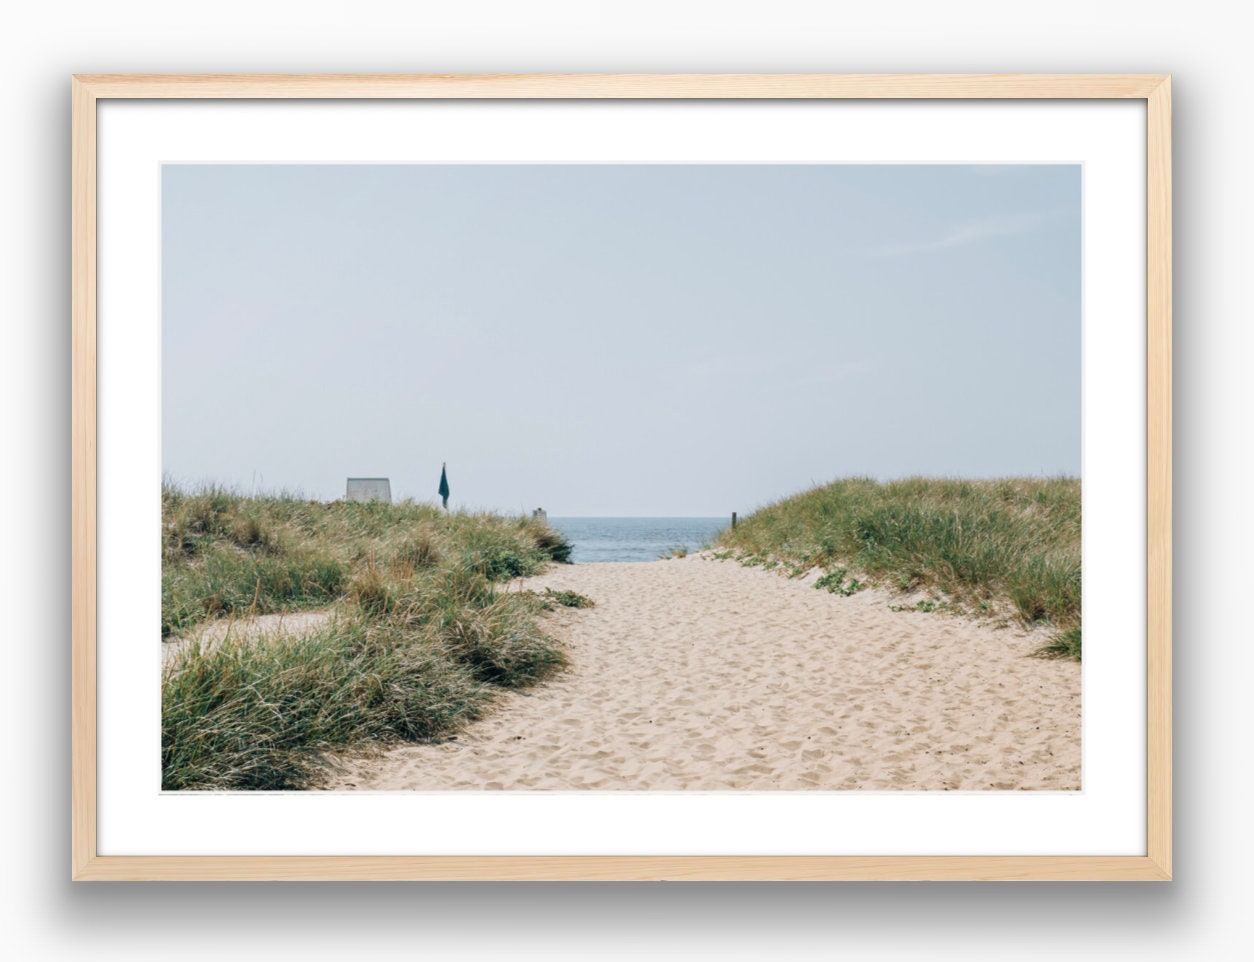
{"x":695,"y":674}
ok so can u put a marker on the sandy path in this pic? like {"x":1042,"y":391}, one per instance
{"x":699,"y":674}
{"x":249,"y":628}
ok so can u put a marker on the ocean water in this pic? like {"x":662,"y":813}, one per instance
{"x":634,"y":539}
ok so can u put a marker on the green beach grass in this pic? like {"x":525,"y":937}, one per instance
{"x":1014,"y":541}
{"x":421,"y":641}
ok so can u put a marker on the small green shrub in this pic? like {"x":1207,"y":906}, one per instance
{"x":569,"y":599}
{"x":834,"y":581}
{"x":1065,"y":644}
{"x":552,"y":543}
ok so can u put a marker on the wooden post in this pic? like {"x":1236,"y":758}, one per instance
{"x":733,"y":519}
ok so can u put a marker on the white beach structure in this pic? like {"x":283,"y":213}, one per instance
{"x":369,"y":489}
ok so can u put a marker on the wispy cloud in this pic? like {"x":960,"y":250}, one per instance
{"x":972,"y":232}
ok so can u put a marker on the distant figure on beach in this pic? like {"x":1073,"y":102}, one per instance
{"x":444,"y":484}
{"x":540,"y":514}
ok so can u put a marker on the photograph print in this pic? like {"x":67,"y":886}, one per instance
{"x":621,"y":477}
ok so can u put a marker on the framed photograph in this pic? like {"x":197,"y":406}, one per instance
{"x":622,"y":477}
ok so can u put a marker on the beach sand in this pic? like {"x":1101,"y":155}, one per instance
{"x":696,"y":674}
{"x":248,"y":628}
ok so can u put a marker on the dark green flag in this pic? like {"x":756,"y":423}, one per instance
{"x":444,"y":485}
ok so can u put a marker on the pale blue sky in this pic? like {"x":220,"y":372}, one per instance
{"x":618,"y":340}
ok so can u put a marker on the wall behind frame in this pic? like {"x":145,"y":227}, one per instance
{"x":45,"y":917}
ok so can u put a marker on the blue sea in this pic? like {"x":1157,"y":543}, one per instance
{"x":635,"y":539}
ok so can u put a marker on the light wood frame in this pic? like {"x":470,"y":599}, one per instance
{"x":1154,"y":89}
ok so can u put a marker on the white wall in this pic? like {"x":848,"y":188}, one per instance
{"x":1201,"y":43}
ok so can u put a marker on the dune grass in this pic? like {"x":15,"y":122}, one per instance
{"x":223,"y":553}
{"x":567,"y":599}
{"x":421,"y":643}
{"x":1014,"y":541}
